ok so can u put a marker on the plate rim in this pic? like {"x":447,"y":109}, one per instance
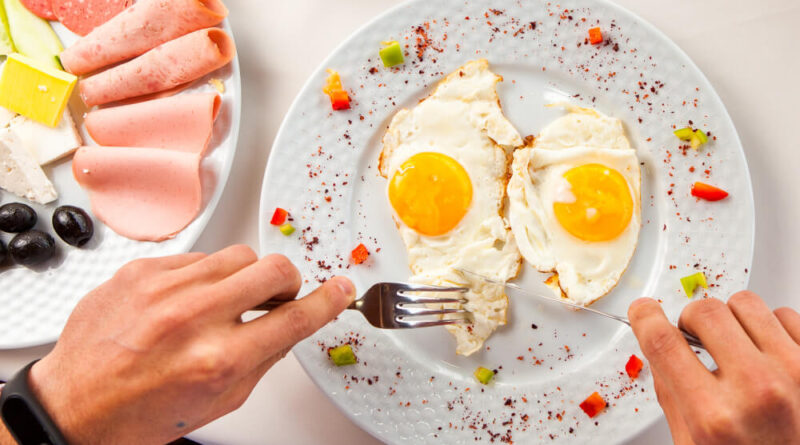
{"x":363,"y":422}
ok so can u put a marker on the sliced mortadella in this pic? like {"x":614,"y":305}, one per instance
{"x":145,"y":194}
{"x":184,"y":122}
{"x":138,"y":29}
{"x":167,"y":66}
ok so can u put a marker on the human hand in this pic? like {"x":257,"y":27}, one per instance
{"x":160,"y":349}
{"x":754,"y":395}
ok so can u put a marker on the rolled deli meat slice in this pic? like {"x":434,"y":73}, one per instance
{"x":140,"y":28}
{"x":174,"y":63}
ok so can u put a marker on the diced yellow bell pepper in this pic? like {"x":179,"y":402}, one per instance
{"x":35,"y":90}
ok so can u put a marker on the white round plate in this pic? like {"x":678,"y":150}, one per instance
{"x":410,"y":386}
{"x":35,"y":303}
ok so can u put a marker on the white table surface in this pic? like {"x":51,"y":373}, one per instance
{"x":747,"y":48}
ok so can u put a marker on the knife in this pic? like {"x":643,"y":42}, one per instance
{"x":691,"y":339}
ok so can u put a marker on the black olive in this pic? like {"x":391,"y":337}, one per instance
{"x":32,"y":248}
{"x":3,"y":253}
{"x":73,"y":225}
{"x":17,"y":217}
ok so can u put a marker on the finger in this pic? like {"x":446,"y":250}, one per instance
{"x":675,"y":419}
{"x":178,"y":261}
{"x":283,"y":327}
{"x":221,"y":264}
{"x":790,"y":320}
{"x":669,"y":355}
{"x":760,"y":322}
{"x":713,"y":322}
{"x":274,"y":276}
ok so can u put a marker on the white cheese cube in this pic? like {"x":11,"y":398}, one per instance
{"x":46,"y":143}
{"x":20,"y":174}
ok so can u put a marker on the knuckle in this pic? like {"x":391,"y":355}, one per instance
{"x":742,"y":298}
{"x":770,"y":396}
{"x":212,"y":368}
{"x":715,"y":427}
{"x":284,"y":270}
{"x":299,"y":322}
{"x":662,"y":342}
{"x":133,"y":270}
{"x":244,"y":252}
{"x":169,"y":318}
{"x":701,"y":309}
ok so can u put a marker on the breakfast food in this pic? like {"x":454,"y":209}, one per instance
{"x":170,"y":65}
{"x":21,"y":174}
{"x":446,"y":160}
{"x":73,"y":225}
{"x":47,"y":144}
{"x":34,"y":90}
{"x":42,"y":8}
{"x":31,"y":35}
{"x":82,"y":16}
{"x":145,"y":194}
{"x":575,"y":204}
{"x":16,"y":217}
{"x":184,"y":122}
{"x":6,"y":44}
{"x":144,"y":26}
{"x":32,"y":248}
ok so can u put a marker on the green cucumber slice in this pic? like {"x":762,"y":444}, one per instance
{"x":32,"y":36}
{"x":6,"y":44}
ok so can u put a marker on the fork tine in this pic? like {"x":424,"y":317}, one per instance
{"x":430,"y":323}
{"x":427,"y":300}
{"x":403,"y":288}
{"x":405,"y":310}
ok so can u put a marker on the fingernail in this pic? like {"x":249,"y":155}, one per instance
{"x":346,"y":287}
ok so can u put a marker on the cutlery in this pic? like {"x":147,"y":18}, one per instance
{"x":394,"y":306}
{"x":691,"y":339}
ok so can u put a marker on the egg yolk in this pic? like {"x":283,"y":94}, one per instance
{"x":603,"y":206}
{"x":431,"y":193}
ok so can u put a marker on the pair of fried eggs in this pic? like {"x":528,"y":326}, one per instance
{"x":574,"y":194}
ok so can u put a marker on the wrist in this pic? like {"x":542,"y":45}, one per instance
{"x":55,"y":399}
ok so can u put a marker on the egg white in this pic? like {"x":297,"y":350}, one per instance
{"x":463,"y":119}
{"x":583,"y":271}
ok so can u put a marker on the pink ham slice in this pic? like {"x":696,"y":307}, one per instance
{"x":145,"y":194}
{"x":184,"y":122}
{"x":41,"y":8}
{"x":140,"y":28}
{"x":82,"y":16}
{"x":167,"y":66}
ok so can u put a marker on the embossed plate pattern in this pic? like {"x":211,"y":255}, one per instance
{"x":410,"y":387}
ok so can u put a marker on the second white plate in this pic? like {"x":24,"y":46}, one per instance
{"x":409,"y":386}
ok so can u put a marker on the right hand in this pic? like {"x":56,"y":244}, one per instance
{"x":160,"y":349}
{"x":754,"y":395}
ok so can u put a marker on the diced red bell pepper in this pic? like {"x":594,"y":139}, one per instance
{"x":595,"y":36}
{"x":340,"y":100}
{"x":708,"y":192}
{"x":593,"y":405}
{"x":279,"y":217}
{"x":634,"y":366}
{"x":360,"y":254}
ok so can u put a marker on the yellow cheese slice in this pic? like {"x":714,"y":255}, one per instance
{"x":35,"y":90}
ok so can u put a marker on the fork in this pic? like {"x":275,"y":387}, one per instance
{"x":393,"y":306}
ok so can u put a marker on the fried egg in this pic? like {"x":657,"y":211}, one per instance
{"x":575,"y":204}
{"x":446,"y":162}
